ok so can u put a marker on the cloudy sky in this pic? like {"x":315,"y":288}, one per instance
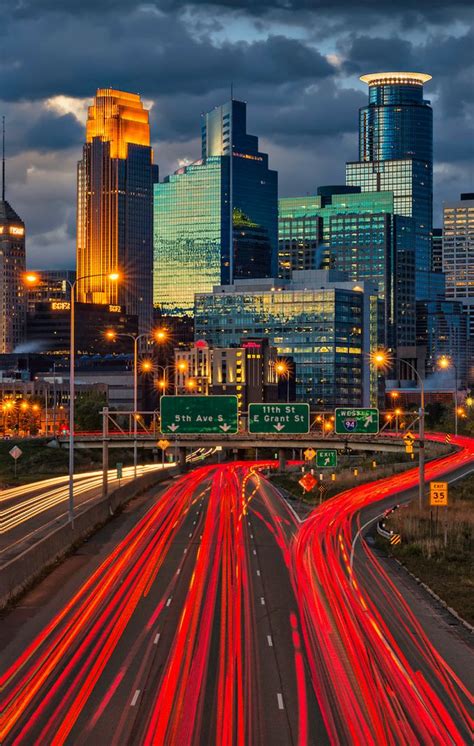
{"x":296,"y":63}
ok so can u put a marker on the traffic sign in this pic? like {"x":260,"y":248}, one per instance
{"x":326,"y":457}
{"x":308,"y":482}
{"x":395,"y":539}
{"x":408,"y":448}
{"x":357,"y":421}
{"x":198,"y":414}
{"x":279,"y":418}
{"x":309,"y":454}
{"x":15,"y":452}
{"x":438,"y":493}
{"x":163,"y":444}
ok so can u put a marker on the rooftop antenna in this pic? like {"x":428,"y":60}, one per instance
{"x":3,"y":159}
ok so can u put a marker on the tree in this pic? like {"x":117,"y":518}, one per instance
{"x":87,"y":413}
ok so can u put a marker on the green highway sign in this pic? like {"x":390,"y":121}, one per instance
{"x":199,"y":414}
{"x":279,"y":418}
{"x":355,"y":421}
{"x":326,"y":457}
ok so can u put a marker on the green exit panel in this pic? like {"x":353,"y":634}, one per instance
{"x":279,"y":419}
{"x":199,"y":414}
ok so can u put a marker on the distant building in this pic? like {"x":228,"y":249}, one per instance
{"x":458,"y":253}
{"x":442,"y":329}
{"x":326,"y":323}
{"x":396,"y":154}
{"x":437,"y":250}
{"x":115,"y":205}
{"x":357,"y":233}
{"x":52,"y":286}
{"x":48,"y":327}
{"x":12,"y":267}
{"x":246,"y":371}
{"x":193,"y":208}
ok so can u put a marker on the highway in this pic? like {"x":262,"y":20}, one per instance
{"x":216,"y":617}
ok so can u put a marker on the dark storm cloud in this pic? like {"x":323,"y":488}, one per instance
{"x":295,"y":62}
{"x":52,"y":132}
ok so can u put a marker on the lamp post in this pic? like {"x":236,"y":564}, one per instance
{"x":160,"y":335}
{"x":31,"y":279}
{"x":381,"y":360}
{"x":445,"y":363}
{"x":282,"y":370}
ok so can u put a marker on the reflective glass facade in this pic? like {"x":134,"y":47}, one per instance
{"x":458,"y":253}
{"x":12,"y":288}
{"x":192,"y":208}
{"x":326,"y":327}
{"x":364,"y":238}
{"x":396,"y":154}
{"x":442,"y":328}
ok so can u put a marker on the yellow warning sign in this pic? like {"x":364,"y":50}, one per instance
{"x":438,"y":493}
{"x":309,"y":454}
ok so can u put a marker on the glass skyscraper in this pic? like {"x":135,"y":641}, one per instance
{"x":361,"y":236}
{"x":326,"y":324}
{"x":12,"y":267}
{"x":115,"y":205}
{"x":396,"y":154}
{"x":193,"y":230}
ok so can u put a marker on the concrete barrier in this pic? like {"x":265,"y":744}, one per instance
{"x":21,"y":572}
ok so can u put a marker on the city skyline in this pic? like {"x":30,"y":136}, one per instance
{"x":300,"y":81}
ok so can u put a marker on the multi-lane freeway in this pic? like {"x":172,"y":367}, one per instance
{"x":217,"y":618}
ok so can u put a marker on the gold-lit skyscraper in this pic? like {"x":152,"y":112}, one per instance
{"x":115,"y":205}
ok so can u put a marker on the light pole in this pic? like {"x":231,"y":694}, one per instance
{"x":32,"y":279}
{"x":282,"y":370}
{"x":381,"y":360}
{"x":159,"y":335}
{"x":445,"y":363}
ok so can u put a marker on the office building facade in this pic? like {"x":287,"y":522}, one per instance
{"x":325,"y":323}
{"x":458,"y":253}
{"x":358,"y":233}
{"x":115,"y":206}
{"x":12,"y":267}
{"x":396,"y":154}
{"x":442,"y":330}
{"x":193,"y":229}
{"x":52,"y":286}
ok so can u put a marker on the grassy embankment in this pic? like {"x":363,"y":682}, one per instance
{"x":39,"y":461}
{"x":447,"y":569}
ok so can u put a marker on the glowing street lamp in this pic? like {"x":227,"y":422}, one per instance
{"x":445,"y":363}
{"x":381,"y":360}
{"x":282,"y":370}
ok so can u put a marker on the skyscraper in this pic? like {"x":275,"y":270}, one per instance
{"x":193,"y":230}
{"x":115,"y":205}
{"x":12,"y":267}
{"x":458,"y":253}
{"x":396,"y":154}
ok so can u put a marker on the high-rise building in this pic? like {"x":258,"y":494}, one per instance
{"x":437,"y":250}
{"x":52,"y":287}
{"x":12,"y":267}
{"x":458,"y":253}
{"x":193,"y":230}
{"x":396,"y":154}
{"x":115,"y":205}
{"x":442,"y":330}
{"x":359,"y":234}
{"x":327,"y":324}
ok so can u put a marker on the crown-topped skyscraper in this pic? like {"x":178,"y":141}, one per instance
{"x":115,"y":205}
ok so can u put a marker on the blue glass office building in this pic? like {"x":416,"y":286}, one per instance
{"x":322,"y":321}
{"x":192,"y":214}
{"x":396,"y":154}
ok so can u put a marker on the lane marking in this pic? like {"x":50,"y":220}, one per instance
{"x":190,"y":535}
{"x":169,"y":601}
{"x":178,"y":571}
{"x":157,"y":637}
{"x":262,"y":600}
{"x":255,"y":551}
{"x":251,"y":536}
{"x":135,"y":697}
{"x":185,"y":550}
{"x":270,"y":641}
{"x":258,"y":573}
{"x":281,"y":706}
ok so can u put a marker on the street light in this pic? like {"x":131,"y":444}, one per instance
{"x":445,"y":363}
{"x":31,"y":279}
{"x":147,"y":366}
{"x":282,"y":370}
{"x":380,"y":359}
